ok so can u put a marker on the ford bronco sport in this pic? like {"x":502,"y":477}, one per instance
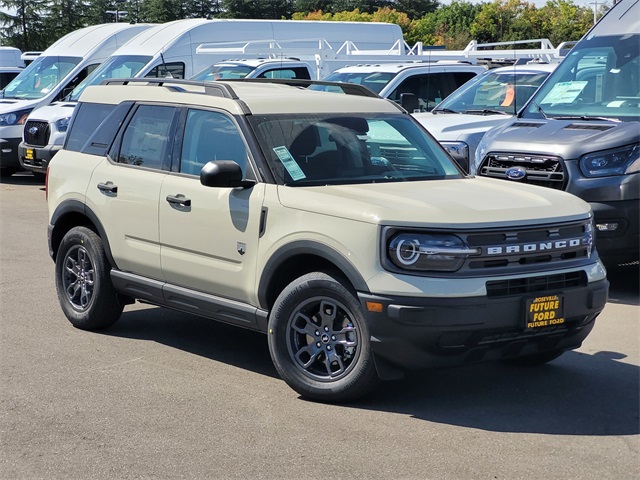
{"x":334,"y":223}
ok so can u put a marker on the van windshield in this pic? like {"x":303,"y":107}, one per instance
{"x":121,"y":66}
{"x":494,"y":92}
{"x":40,"y":77}
{"x":599,"y":79}
{"x":329,"y":149}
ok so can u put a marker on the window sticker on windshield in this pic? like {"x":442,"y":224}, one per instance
{"x":289,"y":163}
{"x":564,"y":92}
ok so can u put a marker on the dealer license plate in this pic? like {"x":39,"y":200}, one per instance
{"x":29,"y":154}
{"x":545,"y":311}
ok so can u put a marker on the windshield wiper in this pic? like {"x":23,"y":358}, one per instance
{"x":443,"y":110}
{"x":540,"y":111}
{"x":487,"y":111}
{"x":586,"y":118}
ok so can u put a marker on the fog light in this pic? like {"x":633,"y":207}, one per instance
{"x":606,"y":227}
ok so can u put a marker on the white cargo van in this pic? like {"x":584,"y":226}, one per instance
{"x":172,"y":50}
{"x":580,"y":132}
{"x":53,"y":75}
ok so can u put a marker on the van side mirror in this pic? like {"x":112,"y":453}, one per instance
{"x":409,"y":101}
{"x":224,"y":174}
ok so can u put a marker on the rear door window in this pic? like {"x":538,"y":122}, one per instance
{"x":148,"y":138}
{"x":86,"y":120}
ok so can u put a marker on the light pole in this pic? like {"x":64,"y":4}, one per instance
{"x":117,"y":12}
{"x":595,"y":4}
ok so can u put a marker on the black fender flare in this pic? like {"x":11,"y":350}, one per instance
{"x":307,"y":247}
{"x":76,"y":206}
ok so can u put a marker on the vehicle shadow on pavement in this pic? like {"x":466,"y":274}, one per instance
{"x":577,"y":394}
{"x":217,"y":341}
{"x":625,"y":285}
{"x":23,"y":178}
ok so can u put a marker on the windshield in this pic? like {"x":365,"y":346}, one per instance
{"x":373,"y":81}
{"x":216,"y":72}
{"x":600,"y":78}
{"x":122,"y":66}
{"x":495,"y":92}
{"x":323,"y":149}
{"x":40,"y":77}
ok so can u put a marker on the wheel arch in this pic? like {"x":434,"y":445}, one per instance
{"x":73,"y":213}
{"x":298,"y":258}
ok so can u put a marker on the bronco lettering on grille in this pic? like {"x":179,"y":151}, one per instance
{"x":538,"y":247}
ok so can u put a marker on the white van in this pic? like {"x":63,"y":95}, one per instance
{"x":172,"y":50}
{"x":580,"y":133}
{"x":53,"y":75}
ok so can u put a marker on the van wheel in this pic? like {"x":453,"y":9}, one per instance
{"x":319,"y":340}
{"x":533,"y":360}
{"x":84,"y":286}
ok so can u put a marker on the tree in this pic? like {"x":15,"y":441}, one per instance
{"x":502,"y":21}
{"x":25,"y":29}
{"x":414,"y":8}
{"x":265,"y":9}
{"x":65,"y":16}
{"x":449,"y":25}
{"x":561,"y":20}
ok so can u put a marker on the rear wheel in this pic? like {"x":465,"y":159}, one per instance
{"x":319,"y":340}
{"x":535,"y":359}
{"x":84,"y":286}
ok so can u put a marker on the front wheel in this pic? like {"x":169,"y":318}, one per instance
{"x":319,"y":340}
{"x":84,"y":286}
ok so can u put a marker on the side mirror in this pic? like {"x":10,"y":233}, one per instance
{"x":224,"y":174}
{"x":409,"y":101}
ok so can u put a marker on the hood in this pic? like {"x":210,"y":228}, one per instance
{"x":8,"y":105}
{"x":458,"y":203}
{"x":569,"y":139}
{"x":456,"y":126}
{"x":53,"y":112}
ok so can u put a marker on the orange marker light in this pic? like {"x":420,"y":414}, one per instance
{"x":374,"y":306}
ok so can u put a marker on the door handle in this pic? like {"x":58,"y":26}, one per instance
{"x":179,"y":199}
{"x":108,"y":188}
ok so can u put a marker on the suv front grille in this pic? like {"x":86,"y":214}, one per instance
{"x":542,"y":170}
{"x":36,"y":133}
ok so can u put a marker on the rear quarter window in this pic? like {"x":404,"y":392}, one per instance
{"x":85,"y":122}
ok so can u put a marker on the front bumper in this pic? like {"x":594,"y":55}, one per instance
{"x":415,"y":333}
{"x":622,"y":244}
{"x":36,"y":159}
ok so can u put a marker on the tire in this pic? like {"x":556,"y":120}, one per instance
{"x":319,"y":340}
{"x":533,"y":360}
{"x":84,"y":286}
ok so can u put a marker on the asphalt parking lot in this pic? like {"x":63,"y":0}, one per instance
{"x":164,"y":395}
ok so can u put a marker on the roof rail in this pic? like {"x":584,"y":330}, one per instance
{"x":210,"y":88}
{"x":347,"y":88}
{"x":221,"y":88}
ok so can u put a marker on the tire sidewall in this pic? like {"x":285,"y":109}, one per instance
{"x":361,"y":376}
{"x":103,"y":306}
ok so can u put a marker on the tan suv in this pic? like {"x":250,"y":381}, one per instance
{"x":334,"y":223}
